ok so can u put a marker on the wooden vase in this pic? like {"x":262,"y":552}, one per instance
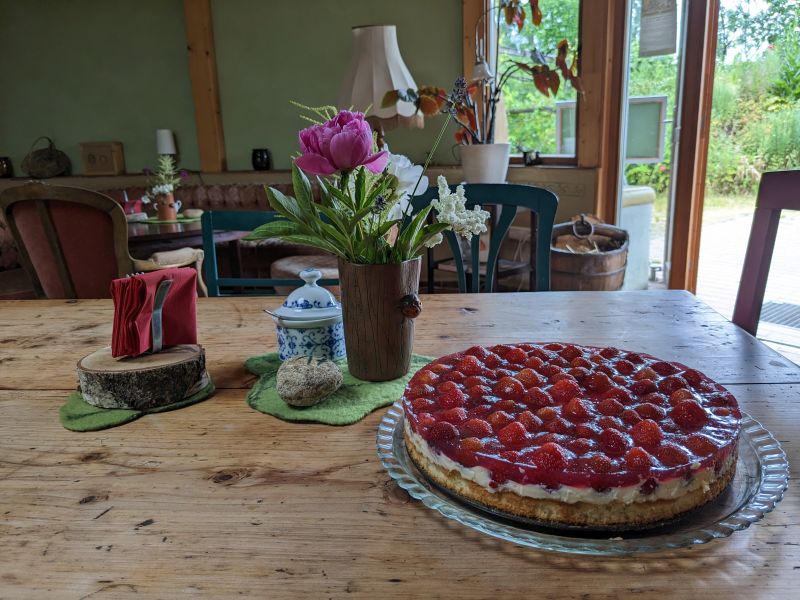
{"x":379,"y":305}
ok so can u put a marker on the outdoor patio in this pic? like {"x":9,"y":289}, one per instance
{"x":722,"y":249}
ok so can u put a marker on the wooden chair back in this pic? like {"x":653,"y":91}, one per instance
{"x":239,"y":220}
{"x":72,"y":241}
{"x":508,"y":197}
{"x":779,"y":190}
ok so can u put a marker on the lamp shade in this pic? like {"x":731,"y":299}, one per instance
{"x":165,"y":141}
{"x":375,"y":68}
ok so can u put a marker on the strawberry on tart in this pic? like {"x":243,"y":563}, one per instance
{"x":572,"y":435}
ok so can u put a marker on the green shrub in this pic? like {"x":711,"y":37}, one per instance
{"x":780,"y":141}
{"x":787,"y":83}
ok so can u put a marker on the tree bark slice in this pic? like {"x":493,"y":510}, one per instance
{"x":378,"y":336}
{"x":144,"y":382}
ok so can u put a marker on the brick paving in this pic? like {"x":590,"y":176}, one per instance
{"x":722,"y":248}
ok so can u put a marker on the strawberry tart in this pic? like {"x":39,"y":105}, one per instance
{"x":572,"y":435}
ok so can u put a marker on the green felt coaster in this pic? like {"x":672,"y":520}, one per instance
{"x":78,"y":415}
{"x":350,"y":403}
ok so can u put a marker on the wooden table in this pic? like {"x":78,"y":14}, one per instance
{"x":146,"y":238}
{"x":219,"y":501}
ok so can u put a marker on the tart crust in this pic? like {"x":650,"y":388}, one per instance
{"x":611,"y":515}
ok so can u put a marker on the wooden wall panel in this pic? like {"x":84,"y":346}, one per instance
{"x":205,"y":84}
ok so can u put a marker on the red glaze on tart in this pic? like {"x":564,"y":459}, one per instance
{"x":572,"y":418}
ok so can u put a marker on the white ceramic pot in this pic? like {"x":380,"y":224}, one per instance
{"x":485,"y":163}
{"x":309,"y":322}
{"x":322,"y":339}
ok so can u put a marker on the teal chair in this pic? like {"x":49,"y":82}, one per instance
{"x":506,"y":198}
{"x":239,"y":220}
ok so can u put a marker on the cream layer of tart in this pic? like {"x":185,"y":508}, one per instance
{"x":665,"y":490}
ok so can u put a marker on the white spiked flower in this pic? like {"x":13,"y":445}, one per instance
{"x":451,"y":209}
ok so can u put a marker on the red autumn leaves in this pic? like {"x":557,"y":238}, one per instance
{"x":514,"y":13}
{"x":546,"y":79}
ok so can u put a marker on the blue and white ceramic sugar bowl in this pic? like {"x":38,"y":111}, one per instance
{"x":309,"y":322}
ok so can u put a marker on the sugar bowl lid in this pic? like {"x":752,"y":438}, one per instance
{"x":310,"y":301}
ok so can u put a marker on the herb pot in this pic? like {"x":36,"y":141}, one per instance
{"x":379,"y":305}
{"x":167,"y":207}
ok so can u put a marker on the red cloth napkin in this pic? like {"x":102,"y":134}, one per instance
{"x":133,"y":311}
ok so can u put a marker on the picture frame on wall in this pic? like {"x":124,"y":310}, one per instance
{"x":102,"y":158}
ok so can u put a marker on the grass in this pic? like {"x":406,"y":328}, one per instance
{"x":716,"y":207}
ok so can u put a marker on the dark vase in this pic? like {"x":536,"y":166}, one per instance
{"x":6,"y":170}
{"x":379,"y":305}
{"x":261,"y":159}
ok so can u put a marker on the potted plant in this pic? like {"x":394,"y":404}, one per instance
{"x":483,"y":160}
{"x":364,"y":217}
{"x":165,"y":181}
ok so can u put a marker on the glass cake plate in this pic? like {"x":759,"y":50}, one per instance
{"x":762,"y":474}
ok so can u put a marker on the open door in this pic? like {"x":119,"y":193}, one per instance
{"x":699,"y":46}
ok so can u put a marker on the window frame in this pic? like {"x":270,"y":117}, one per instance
{"x":471,"y":12}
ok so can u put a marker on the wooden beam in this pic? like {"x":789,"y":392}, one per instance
{"x":205,"y":85}
{"x":690,"y":167}
{"x":602,"y":48}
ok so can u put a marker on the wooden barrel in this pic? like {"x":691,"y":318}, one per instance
{"x":583,"y":272}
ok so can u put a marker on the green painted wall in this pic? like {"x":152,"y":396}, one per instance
{"x":85,"y":70}
{"x":117,"y":70}
{"x":271,"y":52}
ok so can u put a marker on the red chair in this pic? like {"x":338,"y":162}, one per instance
{"x":73,"y":242}
{"x":779,"y":190}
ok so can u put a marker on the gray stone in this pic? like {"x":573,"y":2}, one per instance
{"x":305,"y":381}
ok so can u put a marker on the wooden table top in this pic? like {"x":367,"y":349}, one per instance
{"x":217,"y":500}
{"x":146,"y":238}
{"x":139,"y":231}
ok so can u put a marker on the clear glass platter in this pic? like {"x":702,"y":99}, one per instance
{"x":762,"y":474}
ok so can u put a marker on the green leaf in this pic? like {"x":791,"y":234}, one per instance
{"x":336,"y":228}
{"x":361,"y":188}
{"x":361,"y":214}
{"x":425,"y":234}
{"x":335,"y":219}
{"x":310,"y":240}
{"x":339,"y":195}
{"x":329,"y":234}
{"x":324,"y":194}
{"x":384,"y":228}
{"x":285,"y":205}
{"x":273,"y":229}
{"x":302,"y":187}
{"x":380,"y":188}
{"x":410,"y":231}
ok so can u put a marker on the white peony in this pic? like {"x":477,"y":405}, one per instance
{"x":451,"y":209}
{"x":407,"y":174}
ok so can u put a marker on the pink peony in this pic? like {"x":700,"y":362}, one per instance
{"x":341,"y":144}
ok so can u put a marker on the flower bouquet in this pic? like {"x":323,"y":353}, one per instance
{"x":365,"y":216}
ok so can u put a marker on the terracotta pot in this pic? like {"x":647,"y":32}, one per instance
{"x":167,"y":207}
{"x":485,"y":163}
{"x":379,"y":305}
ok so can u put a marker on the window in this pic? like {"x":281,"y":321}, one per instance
{"x":536,"y":122}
